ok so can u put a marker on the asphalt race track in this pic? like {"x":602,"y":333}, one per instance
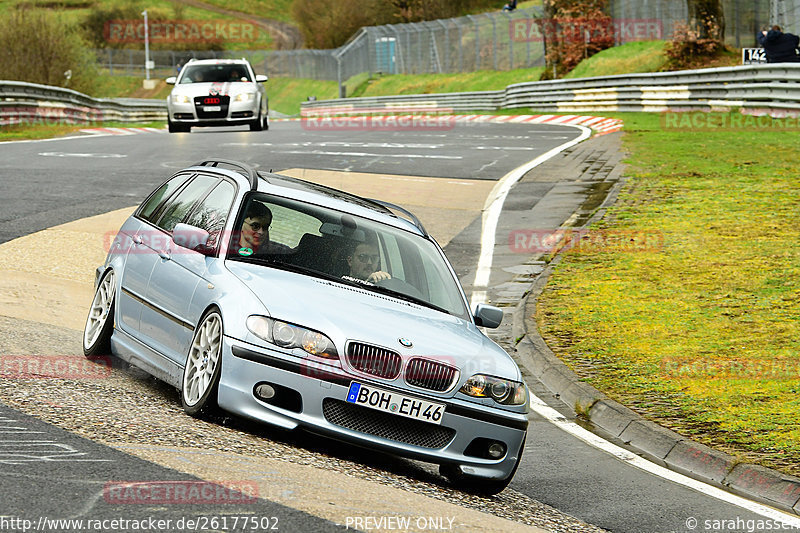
{"x":62,"y":443}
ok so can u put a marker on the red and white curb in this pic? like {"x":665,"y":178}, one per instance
{"x":599,"y":125}
{"x":121,"y":131}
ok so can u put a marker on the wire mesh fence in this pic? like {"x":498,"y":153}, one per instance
{"x":490,"y":41}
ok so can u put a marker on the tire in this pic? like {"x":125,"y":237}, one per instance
{"x":200,"y":381}
{"x":266,"y":123}
{"x":176,"y":128}
{"x":257,"y":124}
{"x":100,"y":322}
{"x":479,"y":486}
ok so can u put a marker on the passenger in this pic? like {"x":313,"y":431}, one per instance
{"x":254,"y":235}
{"x":365,"y":263}
{"x":235,"y":76}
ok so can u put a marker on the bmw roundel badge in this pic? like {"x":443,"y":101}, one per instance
{"x":405,"y":342}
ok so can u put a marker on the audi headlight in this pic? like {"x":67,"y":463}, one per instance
{"x":503,"y":391}
{"x":245,"y":97}
{"x":180,"y":99}
{"x":290,"y":336}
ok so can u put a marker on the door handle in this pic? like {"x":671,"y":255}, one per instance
{"x":137,"y":239}
{"x":164,"y":254}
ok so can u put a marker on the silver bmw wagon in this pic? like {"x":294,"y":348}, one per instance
{"x":302,"y":306}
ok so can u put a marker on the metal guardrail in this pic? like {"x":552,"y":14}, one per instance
{"x":768,"y":89}
{"x":22,"y":102}
{"x":764,"y":89}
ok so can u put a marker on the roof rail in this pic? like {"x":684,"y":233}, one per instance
{"x":412,"y":216}
{"x":249,"y":171}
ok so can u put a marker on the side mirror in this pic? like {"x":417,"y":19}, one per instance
{"x":171,"y":80}
{"x":191,"y":237}
{"x":488,"y":316}
{"x":261,"y":78}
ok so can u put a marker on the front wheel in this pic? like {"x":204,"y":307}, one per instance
{"x":257,"y":124}
{"x":203,"y":365}
{"x":177,"y":128}
{"x":100,"y":322}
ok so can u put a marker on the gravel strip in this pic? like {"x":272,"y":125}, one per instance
{"x":128,"y":406}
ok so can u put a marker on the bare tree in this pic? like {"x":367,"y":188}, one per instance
{"x":707,"y":17}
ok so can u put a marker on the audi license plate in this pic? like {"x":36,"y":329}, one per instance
{"x":397,"y":404}
{"x":210,"y":108}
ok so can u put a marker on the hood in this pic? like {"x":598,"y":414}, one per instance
{"x":215,"y":88}
{"x":347,"y":313}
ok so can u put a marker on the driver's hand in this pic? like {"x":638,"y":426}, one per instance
{"x":380,"y":275}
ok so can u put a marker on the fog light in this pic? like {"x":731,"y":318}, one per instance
{"x":265,"y":392}
{"x":497,"y":450}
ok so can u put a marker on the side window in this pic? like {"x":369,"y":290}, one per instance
{"x":160,"y":196}
{"x":212,"y":213}
{"x":177,"y":208}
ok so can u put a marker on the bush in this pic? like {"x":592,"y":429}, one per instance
{"x":39,"y":47}
{"x":692,"y":47}
{"x":574,"y":30}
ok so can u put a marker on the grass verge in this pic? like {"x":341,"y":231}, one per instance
{"x":643,"y":56}
{"x":698,"y":329}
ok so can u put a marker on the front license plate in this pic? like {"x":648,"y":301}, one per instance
{"x":210,"y":108}
{"x":397,"y":404}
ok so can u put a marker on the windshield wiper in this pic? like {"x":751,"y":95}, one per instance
{"x":403,"y":296}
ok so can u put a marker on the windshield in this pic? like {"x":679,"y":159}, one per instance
{"x":214,"y":73}
{"x":292,"y":235}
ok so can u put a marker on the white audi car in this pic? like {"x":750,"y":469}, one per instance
{"x":217,"y":92}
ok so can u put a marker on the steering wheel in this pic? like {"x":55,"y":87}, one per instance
{"x":401,"y":286}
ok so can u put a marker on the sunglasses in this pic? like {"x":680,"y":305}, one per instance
{"x":367,"y":258}
{"x":256,"y":226}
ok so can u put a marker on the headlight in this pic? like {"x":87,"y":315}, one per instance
{"x":290,"y":336}
{"x":245,"y":97}
{"x":180,"y":99}
{"x":503,"y":391}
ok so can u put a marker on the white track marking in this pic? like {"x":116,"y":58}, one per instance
{"x":494,"y":207}
{"x":366,"y":154}
{"x":67,"y":154}
{"x":556,"y":418}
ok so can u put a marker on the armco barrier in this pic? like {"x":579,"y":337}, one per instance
{"x":758,"y":89}
{"x":32,"y":103}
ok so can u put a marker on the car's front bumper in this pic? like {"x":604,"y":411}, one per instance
{"x":323,"y":410}
{"x":232,"y":113}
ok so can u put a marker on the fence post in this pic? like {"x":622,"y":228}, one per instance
{"x":477,"y":43}
{"x":494,"y":39}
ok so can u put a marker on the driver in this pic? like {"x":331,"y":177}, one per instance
{"x":365,"y":263}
